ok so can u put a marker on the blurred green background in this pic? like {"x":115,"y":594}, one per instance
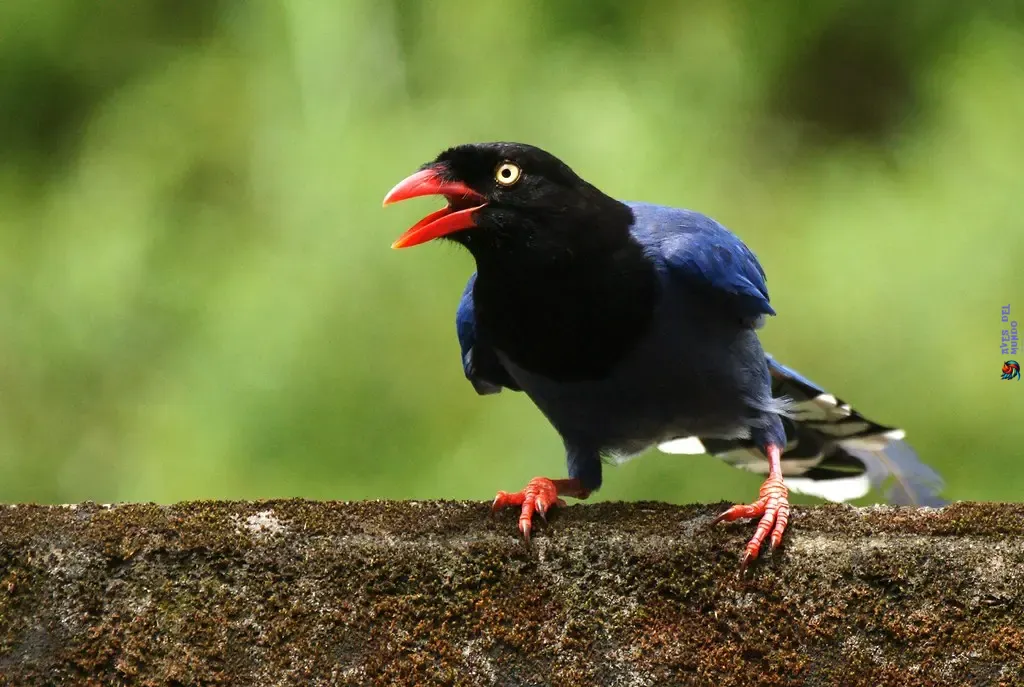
{"x":198,"y":299}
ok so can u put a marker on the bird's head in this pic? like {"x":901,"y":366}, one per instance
{"x":505,"y":195}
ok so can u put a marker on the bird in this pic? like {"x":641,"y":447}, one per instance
{"x":632,"y":325}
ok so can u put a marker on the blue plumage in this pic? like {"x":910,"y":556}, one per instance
{"x":693,"y":248}
{"x":479,"y":363}
{"x":691,"y":252}
{"x":465,"y":327}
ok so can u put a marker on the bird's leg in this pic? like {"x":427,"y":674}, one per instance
{"x":539,"y":495}
{"x":772,"y":507}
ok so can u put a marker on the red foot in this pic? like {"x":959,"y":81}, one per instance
{"x":773,"y":509}
{"x":538,"y":497}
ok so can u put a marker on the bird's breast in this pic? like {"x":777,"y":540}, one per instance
{"x":567,"y":326}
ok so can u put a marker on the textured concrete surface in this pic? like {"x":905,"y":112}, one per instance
{"x":309,"y":593}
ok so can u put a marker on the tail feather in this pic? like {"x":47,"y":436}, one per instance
{"x":910,"y":482}
{"x":831,"y":451}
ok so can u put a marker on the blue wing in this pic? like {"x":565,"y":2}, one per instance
{"x":479,"y":361}
{"x":694,"y":248}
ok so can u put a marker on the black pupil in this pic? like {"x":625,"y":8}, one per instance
{"x":506,"y":172}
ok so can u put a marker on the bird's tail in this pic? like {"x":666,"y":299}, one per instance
{"x":832,"y":451}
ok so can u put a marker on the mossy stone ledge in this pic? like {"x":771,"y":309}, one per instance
{"x":421,"y":593}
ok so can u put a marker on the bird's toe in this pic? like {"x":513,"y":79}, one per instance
{"x":539,"y":496}
{"x":772,"y":508}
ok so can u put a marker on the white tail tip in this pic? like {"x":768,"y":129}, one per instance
{"x":690,"y":446}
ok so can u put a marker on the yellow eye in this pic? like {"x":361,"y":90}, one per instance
{"x":507,"y":173}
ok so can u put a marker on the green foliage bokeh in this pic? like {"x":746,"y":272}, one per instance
{"x":198,"y":299}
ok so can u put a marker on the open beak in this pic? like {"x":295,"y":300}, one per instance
{"x":462,"y":203}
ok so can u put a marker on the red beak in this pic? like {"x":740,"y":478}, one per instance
{"x":429,"y":182}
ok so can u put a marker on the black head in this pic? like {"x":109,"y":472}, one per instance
{"x":562,"y":288}
{"x":511,"y":197}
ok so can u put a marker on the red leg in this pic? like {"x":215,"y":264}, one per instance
{"x":772,"y":507}
{"x":538,"y":496}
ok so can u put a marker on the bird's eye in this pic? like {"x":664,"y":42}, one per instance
{"x":507,"y":173}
